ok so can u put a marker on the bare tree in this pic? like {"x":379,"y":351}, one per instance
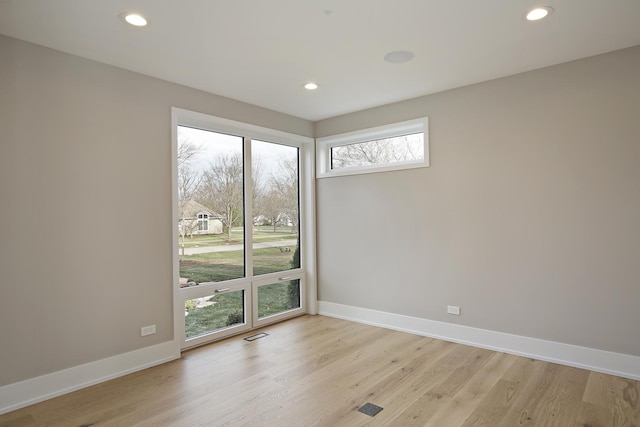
{"x":259,"y":187}
{"x":221,"y":189}
{"x":388,"y":150}
{"x":187,"y":152}
{"x":278,"y":200}
{"x":271,"y":207}
{"x":286,"y":185}
{"x":189,"y":178}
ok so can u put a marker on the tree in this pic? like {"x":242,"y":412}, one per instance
{"x":259,"y":187}
{"x":277,"y":200}
{"x":221,"y":189}
{"x":388,"y":150}
{"x":189,"y":178}
{"x":271,"y":207}
{"x":285,"y":185}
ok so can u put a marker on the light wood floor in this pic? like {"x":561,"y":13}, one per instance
{"x":317,"y":371}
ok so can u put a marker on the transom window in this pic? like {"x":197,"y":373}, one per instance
{"x":392,"y":147}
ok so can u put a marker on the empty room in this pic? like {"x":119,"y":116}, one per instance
{"x":319,"y":213}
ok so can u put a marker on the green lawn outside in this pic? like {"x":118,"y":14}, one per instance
{"x":199,"y":321}
{"x":261,"y":234}
{"x":227,"y":308}
{"x":219,"y":266}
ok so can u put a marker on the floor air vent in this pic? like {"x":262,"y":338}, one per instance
{"x":370,"y":409}
{"x":256,"y":336}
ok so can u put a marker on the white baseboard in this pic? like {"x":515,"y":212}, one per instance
{"x":622,"y":365}
{"x":34,"y":390}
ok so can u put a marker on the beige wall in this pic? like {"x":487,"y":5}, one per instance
{"x":87,"y":146}
{"x":528,"y":218}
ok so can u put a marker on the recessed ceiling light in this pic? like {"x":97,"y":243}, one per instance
{"x":538,"y":13}
{"x":134,"y":19}
{"x":399,"y":56}
{"x":310,"y":86}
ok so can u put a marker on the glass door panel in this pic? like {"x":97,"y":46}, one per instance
{"x":276,"y":213}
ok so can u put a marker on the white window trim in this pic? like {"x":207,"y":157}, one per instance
{"x":325,"y":144}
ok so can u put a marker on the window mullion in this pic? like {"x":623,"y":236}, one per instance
{"x":248,"y":210}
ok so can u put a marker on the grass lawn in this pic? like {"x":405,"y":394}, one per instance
{"x":220,"y":311}
{"x":227,"y":308}
{"x":199,"y":321}
{"x":261,"y":234}
{"x":219,"y":266}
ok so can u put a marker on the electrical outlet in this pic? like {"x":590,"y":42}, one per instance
{"x":452,"y":309}
{"x":147,"y":330}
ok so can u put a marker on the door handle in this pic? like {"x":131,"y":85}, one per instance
{"x":218,"y":291}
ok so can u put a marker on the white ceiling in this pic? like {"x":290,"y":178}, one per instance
{"x":262,"y":51}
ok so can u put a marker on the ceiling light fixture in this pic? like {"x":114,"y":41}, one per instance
{"x":310,"y":86}
{"x":134,"y":19}
{"x":399,"y":56}
{"x":539,"y":13}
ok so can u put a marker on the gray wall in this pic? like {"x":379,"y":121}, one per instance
{"x":528,"y":217}
{"x":85,"y":206}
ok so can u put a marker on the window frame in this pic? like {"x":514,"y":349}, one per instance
{"x":306,"y":273}
{"x":325,"y":144}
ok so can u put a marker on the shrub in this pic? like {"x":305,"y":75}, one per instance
{"x":293,"y":294}
{"x":235,"y":318}
{"x":295,"y":261}
{"x":293,"y":289}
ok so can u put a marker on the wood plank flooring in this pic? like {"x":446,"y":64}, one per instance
{"x":317,"y":371}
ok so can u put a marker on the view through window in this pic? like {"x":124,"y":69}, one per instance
{"x":379,"y":152}
{"x":213,"y":209}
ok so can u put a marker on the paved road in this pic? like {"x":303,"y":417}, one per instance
{"x":228,"y":248}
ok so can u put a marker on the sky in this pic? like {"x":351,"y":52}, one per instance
{"x":212,"y":144}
